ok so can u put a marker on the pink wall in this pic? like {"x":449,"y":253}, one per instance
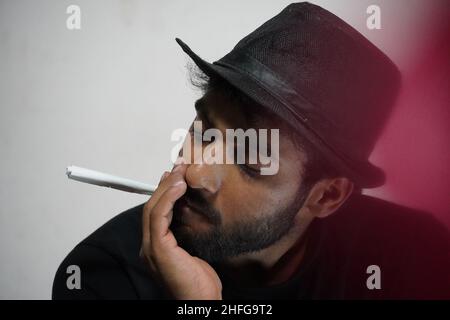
{"x":415,"y":146}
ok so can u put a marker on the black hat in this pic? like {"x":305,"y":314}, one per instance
{"x":320,"y":75}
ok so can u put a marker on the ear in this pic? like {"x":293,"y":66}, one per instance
{"x":327,"y":195}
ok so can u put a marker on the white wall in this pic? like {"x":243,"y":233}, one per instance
{"x":105,"y":97}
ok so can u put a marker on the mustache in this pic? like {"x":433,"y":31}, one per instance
{"x":195,"y":199}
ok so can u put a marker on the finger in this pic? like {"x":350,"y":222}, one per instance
{"x":161,"y":215}
{"x":149,"y":261}
{"x":164,"y":176}
{"x":145,"y":246}
{"x":180,"y":160}
{"x":146,"y":216}
{"x":164,"y":183}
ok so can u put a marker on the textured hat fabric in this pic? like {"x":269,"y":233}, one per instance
{"x":320,"y":75}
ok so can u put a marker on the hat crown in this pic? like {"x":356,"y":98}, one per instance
{"x":349,"y":83}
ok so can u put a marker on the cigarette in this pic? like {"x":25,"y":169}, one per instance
{"x":108,"y":180}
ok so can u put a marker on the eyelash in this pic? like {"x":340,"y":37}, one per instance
{"x":248,"y":171}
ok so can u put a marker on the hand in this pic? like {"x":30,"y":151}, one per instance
{"x":184,"y":276}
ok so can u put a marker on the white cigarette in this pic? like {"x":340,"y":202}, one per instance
{"x":108,"y":180}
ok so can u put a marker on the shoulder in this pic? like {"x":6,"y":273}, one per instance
{"x":393,"y":223}
{"x":411,"y":247}
{"x":108,"y":263}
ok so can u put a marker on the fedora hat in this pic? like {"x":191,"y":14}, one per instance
{"x":320,"y":75}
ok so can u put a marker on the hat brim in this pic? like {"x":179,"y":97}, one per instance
{"x":364,"y":174}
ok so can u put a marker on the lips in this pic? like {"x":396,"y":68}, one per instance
{"x":190,"y":212}
{"x":186,"y":203}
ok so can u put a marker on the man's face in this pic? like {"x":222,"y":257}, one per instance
{"x":231,"y":209}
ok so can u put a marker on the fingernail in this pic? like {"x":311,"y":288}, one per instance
{"x":176,"y":168}
{"x":177,"y":183}
{"x":180,"y":160}
{"x":164,"y":175}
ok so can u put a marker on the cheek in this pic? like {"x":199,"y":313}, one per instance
{"x":240,"y":198}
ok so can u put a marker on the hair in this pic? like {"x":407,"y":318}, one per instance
{"x":315,"y":167}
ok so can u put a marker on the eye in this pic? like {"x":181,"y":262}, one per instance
{"x":249,"y":170}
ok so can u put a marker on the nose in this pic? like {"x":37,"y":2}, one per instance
{"x":202,"y":173}
{"x":204,"y":176}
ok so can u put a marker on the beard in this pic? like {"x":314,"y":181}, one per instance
{"x":223,"y":242}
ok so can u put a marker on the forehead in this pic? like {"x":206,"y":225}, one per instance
{"x":235,"y":113}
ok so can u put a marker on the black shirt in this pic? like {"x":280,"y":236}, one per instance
{"x":410,"y":247}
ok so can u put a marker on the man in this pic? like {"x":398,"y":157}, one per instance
{"x":220,"y":231}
